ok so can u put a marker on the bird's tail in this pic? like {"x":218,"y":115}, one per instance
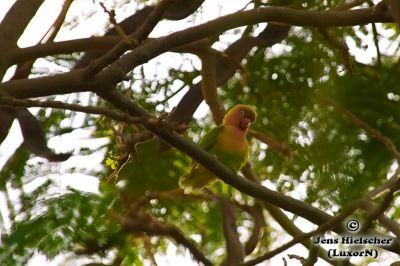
{"x":186,"y":184}
{"x":195,"y":180}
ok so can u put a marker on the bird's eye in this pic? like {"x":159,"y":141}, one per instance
{"x":241,"y":113}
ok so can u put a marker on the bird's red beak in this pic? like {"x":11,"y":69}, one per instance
{"x":245,"y":123}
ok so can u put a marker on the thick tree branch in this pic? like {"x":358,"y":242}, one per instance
{"x":17,"y":55}
{"x":16,"y":20}
{"x":178,"y":9}
{"x":143,"y":54}
{"x":312,"y":255}
{"x":14,"y":24}
{"x":118,"y":70}
{"x":70,"y":82}
{"x":393,"y":7}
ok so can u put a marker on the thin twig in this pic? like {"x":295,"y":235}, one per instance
{"x":24,"y":69}
{"x":118,"y":28}
{"x":272,"y":143}
{"x":133,"y":39}
{"x":358,"y":122}
{"x":13,"y":102}
{"x":234,"y":249}
{"x":54,"y":29}
{"x":376,"y":43}
{"x":341,"y":46}
{"x":242,"y":68}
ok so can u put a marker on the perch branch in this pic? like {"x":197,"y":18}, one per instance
{"x":246,"y":186}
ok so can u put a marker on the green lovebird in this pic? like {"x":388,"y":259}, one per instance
{"x":227,"y":142}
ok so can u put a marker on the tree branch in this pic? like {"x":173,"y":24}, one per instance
{"x":258,"y":228}
{"x":273,"y":33}
{"x":179,"y":9}
{"x":331,"y":223}
{"x":358,"y":122}
{"x":378,"y":211}
{"x":142,"y":54}
{"x":116,"y":72}
{"x":234,"y":249}
{"x":142,"y":223}
{"x":393,"y":7}
{"x":17,"y":55}
{"x":16,"y":20}
{"x":123,"y":117}
{"x":14,"y":24}
{"x":341,"y":46}
{"x":209,"y":83}
{"x":280,"y":217}
{"x":133,"y":39}
{"x":391,"y":225}
{"x":224,"y":173}
{"x":282,"y":148}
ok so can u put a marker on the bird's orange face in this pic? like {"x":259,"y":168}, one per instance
{"x":240,"y":116}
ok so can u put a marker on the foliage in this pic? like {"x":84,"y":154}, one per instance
{"x":332,"y":162}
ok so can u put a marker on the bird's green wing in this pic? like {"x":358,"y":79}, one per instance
{"x":211,"y":137}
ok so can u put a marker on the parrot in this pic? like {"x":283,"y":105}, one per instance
{"x":227,"y":142}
